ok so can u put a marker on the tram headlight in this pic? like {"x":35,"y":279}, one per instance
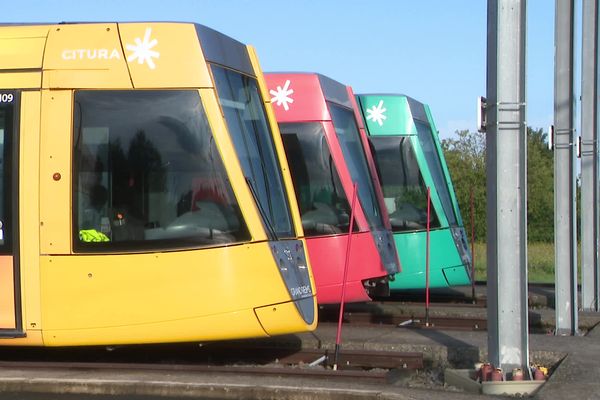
{"x":291,"y":261}
{"x":387,"y":250}
{"x":460,"y":240}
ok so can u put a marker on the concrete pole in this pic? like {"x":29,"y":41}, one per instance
{"x":589,"y":157}
{"x":565,"y":224}
{"x":506,"y":143}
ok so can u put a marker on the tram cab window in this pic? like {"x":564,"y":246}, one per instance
{"x":323,"y":204}
{"x":404,"y":190}
{"x":425,"y":135}
{"x":147,"y":174}
{"x":246,"y":120}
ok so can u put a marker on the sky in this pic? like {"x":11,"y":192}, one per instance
{"x":431,"y":50}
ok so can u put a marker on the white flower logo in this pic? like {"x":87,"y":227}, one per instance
{"x":281,"y":95}
{"x":142,"y":50}
{"x":377,"y":113}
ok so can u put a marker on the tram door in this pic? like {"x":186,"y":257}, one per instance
{"x":8,"y":212}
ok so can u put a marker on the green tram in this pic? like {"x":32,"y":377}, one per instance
{"x":409,"y":159}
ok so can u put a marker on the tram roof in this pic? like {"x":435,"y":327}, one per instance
{"x":415,"y":107}
{"x":115,"y":55}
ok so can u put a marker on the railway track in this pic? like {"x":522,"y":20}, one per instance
{"x":233,"y":358}
{"x":540,"y":294}
{"x":415,"y":318}
{"x":449,"y":309}
{"x":412,"y":321}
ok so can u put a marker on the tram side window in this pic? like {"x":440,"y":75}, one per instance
{"x":403,"y":187}
{"x":147,"y":174}
{"x":5,"y":181}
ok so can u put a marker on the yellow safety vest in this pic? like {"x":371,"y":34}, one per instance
{"x":92,"y":235}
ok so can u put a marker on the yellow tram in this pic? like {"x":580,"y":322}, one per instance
{"x":145,"y":196}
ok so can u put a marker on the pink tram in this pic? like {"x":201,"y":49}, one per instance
{"x":328,"y":153}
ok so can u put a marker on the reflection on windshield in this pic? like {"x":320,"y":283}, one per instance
{"x":323,"y":204}
{"x":245,"y":116}
{"x":435,"y":167}
{"x":403,"y":187}
{"x":354,"y":154}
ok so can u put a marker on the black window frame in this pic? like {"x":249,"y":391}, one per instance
{"x":12,"y":228}
{"x":10,"y":179}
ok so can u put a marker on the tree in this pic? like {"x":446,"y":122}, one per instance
{"x":465,"y":156}
{"x":540,"y":187}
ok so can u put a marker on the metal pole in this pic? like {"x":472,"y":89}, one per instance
{"x":427,"y":257}
{"x":338,"y":337}
{"x":506,"y":147}
{"x":589,"y":157}
{"x":474,"y":299}
{"x":565,"y":224}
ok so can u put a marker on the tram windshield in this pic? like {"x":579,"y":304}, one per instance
{"x":434,"y":163}
{"x":323,"y":204}
{"x":404,"y":190}
{"x":246,"y":119}
{"x":354,"y":154}
{"x":147,"y":173}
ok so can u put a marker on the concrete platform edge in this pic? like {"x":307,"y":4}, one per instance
{"x":169,"y":389}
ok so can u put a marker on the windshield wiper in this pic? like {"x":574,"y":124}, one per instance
{"x":263,"y":214}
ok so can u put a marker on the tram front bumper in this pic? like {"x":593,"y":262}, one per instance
{"x":284,"y":318}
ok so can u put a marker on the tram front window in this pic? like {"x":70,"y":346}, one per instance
{"x":323,"y":204}
{"x":247,"y":123}
{"x":347,"y":132}
{"x":147,"y":174}
{"x":403,"y":187}
{"x":425,"y":136}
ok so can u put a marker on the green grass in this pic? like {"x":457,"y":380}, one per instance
{"x":540,"y":259}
